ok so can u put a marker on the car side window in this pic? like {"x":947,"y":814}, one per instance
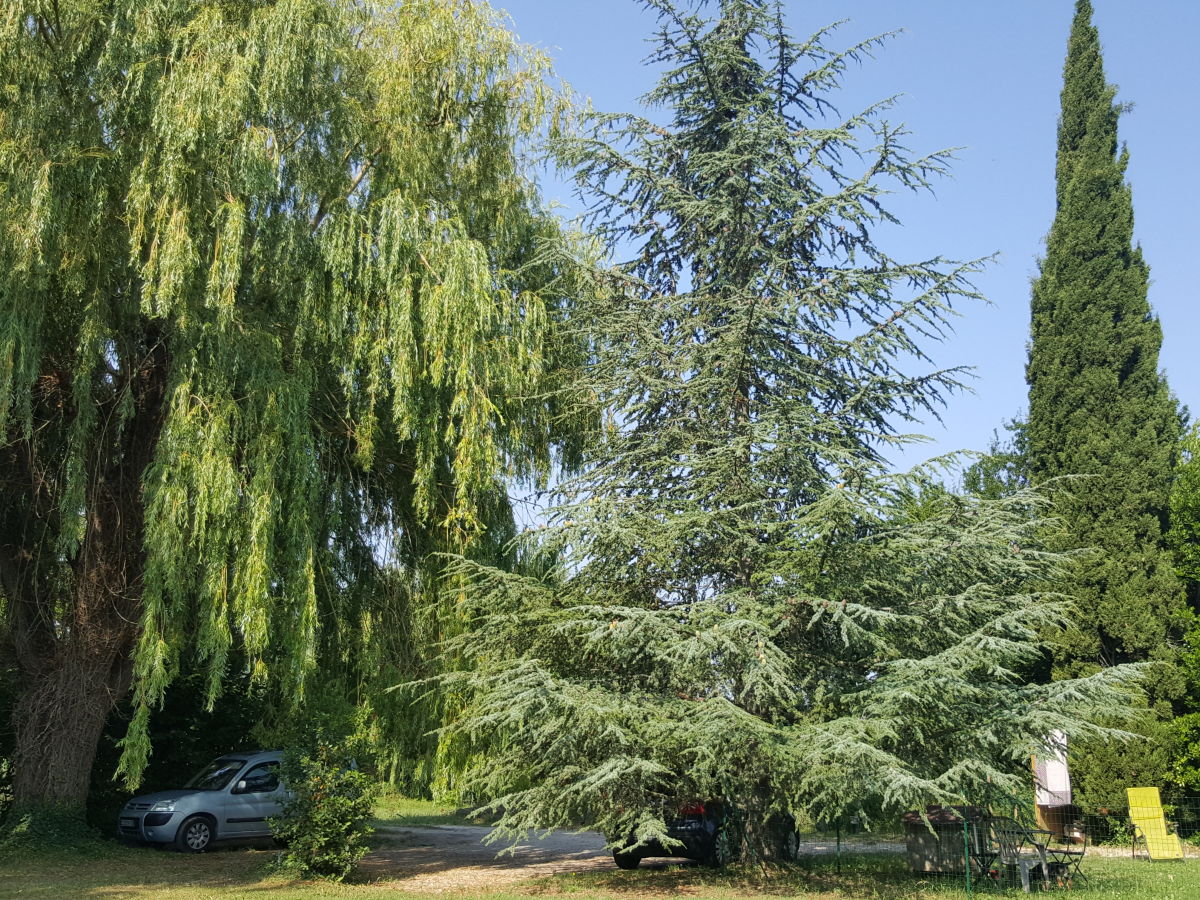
{"x":261,"y":779}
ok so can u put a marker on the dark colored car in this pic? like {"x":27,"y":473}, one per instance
{"x":700,"y":830}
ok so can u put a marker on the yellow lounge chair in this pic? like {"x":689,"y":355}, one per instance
{"x":1150,"y":825}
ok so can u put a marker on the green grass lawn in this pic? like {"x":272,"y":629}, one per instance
{"x":108,"y":871}
{"x":111,"y":872}
{"x":392,"y":809}
{"x":880,"y":876}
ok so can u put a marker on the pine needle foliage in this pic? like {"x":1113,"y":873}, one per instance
{"x":742,"y":602}
{"x":274,"y":291}
{"x":1098,"y":404}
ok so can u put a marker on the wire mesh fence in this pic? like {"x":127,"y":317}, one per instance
{"x":1145,"y":850}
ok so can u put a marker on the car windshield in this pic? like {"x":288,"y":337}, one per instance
{"x":216,"y":774}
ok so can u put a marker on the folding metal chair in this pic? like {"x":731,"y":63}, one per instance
{"x":1064,"y":860}
{"x":1018,"y":851}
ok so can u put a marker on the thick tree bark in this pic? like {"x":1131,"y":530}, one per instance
{"x":58,"y":722}
{"x":74,"y":621}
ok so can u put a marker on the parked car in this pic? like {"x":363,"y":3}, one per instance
{"x":230,"y":798}
{"x":699,"y":828}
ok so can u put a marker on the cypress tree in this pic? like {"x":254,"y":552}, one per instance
{"x":1184,"y":534}
{"x":1098,"y":405}
{"x":744,"y":603}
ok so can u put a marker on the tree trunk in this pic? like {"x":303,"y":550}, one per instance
{"x":75,"y":619}
{"x":58,"y":722}
{"x":74,"y":670}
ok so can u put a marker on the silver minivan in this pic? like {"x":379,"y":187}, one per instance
{"x":230,"y":798}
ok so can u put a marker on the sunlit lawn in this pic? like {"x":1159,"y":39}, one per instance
{"x":392,"y":809}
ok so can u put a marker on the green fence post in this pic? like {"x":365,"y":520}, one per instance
{"x":967,"y":853}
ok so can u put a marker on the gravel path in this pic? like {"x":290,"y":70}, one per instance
{"x":446,"y":858}
{"x":454,"y":858}
{"x":826,"y":845}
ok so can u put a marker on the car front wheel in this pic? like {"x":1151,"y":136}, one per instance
{"x":195,"y":835}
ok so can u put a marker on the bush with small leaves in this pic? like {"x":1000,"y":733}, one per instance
{"x":324,"y":822}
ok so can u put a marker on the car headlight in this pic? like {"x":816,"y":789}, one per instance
{"x":163,"y":806}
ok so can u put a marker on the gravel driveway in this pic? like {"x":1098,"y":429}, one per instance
{"x":454,"y":857}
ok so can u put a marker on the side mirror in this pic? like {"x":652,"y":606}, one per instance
{"x":241,"y":787}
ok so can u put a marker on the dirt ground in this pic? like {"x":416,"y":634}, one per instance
{"x":455,"y":858}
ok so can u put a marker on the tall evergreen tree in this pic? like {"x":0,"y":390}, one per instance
{"x":1184,"y":534}
{"x":1003,"y":469}
{"x":1098,"y":405}
{"x":746,"y":605}
{"x":270,"y":292}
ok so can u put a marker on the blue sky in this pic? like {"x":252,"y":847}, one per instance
{"x":983,"y":75}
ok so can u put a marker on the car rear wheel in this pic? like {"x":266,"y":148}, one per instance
{"x":195,"y":835}
{"x":788,"y":849}
{"x":721,"y":853}
{"x":785,"y":842}
{"x":626,"y":860}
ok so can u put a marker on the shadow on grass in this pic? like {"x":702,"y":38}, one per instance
{"x":112,"y":868}
{"x":879,"y":876}
{"x":875,"y":876}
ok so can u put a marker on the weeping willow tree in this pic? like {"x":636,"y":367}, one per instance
{"x":274,"y":299}
{"x":746,"y":604}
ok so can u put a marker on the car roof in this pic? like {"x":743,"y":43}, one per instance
{"x":252,"y":755}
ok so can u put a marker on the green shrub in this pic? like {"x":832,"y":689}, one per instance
{"x":44,"y":827}
{"x":324,"y":821}
{"x":1102,"y":770}
{"x":5,"y":786}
